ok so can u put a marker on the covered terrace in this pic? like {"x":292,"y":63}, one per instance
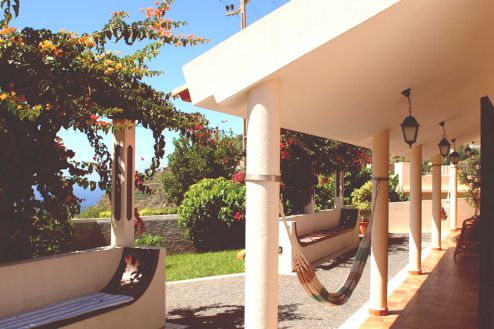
{"x":336,"y":69}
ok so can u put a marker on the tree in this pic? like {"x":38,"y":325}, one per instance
{"x":305,"y":157}
{"x":50,"y":81}
{"x":191,"y":162}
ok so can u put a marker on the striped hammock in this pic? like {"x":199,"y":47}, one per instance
{"x":308,"y":277}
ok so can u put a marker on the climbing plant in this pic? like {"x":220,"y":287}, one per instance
{"x":305,"y":157}
{"x":62,"y":80}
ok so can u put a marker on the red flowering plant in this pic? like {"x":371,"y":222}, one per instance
{"x":54,"y":80}
{"x":239,"y":177}
{"x":305,"y":159}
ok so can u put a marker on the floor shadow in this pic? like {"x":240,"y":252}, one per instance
{"x":221,"y":316}
{"x":397,"y":243}
{"x":431,"y":288}
{"x":345,"y":260}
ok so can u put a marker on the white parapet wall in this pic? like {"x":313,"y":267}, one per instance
{"x":399,"y":214}
{"x":402,"y":169}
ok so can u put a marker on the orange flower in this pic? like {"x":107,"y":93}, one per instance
{"x":47,"y":45}
{"x":7,"y":30}
{"x":190,"y":37}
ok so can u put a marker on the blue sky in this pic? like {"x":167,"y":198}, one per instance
{"x":205,"y":18}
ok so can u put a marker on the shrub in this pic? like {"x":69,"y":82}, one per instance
{"x":395,"y":195}
{"x":212,"y":214}
{"x":362,"y":199}
{"x":149,"y":240}
{"x":155,"y":212}
{"x":105,"y":214}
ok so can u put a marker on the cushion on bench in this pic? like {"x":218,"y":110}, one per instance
{"x":316,"y":236}
{"x":55,"y":312}
{"x":348,"y":218}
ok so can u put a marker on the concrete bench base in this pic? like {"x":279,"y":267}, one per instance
{"x":100,"y":288}
{"x":325,"y":248}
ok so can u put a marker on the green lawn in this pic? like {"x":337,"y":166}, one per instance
{"x":190,"y":266}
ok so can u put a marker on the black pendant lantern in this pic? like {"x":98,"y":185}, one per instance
{"x":444,"y":145}
{"x":469,"y":152}
{"x":454,"y":157}
{"x":409,"y":126}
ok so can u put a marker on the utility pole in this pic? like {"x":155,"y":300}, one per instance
{"x":230,"y":11}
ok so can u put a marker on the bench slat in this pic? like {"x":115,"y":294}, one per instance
{"x":64,"y":310}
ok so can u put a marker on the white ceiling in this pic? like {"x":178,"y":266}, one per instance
{"x":343,"y":65}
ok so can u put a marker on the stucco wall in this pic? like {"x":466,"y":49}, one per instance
{"x":399,"y":214}
{"x":95,"y":232}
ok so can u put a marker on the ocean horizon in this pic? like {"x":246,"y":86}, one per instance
{"x":89,"y":198}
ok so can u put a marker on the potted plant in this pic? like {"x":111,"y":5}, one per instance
{"x":362,"y":200}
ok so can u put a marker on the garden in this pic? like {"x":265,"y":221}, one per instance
{"x":52,"y":81}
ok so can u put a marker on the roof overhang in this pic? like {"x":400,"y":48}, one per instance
{"x":343,"y":65}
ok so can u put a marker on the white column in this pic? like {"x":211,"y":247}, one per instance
{"x":122,"y":197}
{"x":339,"y":189}
{"x":436,"y":202}
{"x":415,"y":224}
{"x":310,"y":208}
{"x":261,"y":263}
{"x":379,"y":250}
{"x":453,"y":188}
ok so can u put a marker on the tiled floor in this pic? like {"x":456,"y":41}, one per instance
{"x":445,"y":296}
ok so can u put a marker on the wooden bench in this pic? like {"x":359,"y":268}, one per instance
{"x":469,"y":238}
{"x":323,"y":236}
{"x":125,"y":295}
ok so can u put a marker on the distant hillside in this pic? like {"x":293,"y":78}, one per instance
{"x":156,"y":200}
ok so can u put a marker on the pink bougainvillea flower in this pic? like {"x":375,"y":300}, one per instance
{"x":237,"y":216}
{"x":239,"y":177}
